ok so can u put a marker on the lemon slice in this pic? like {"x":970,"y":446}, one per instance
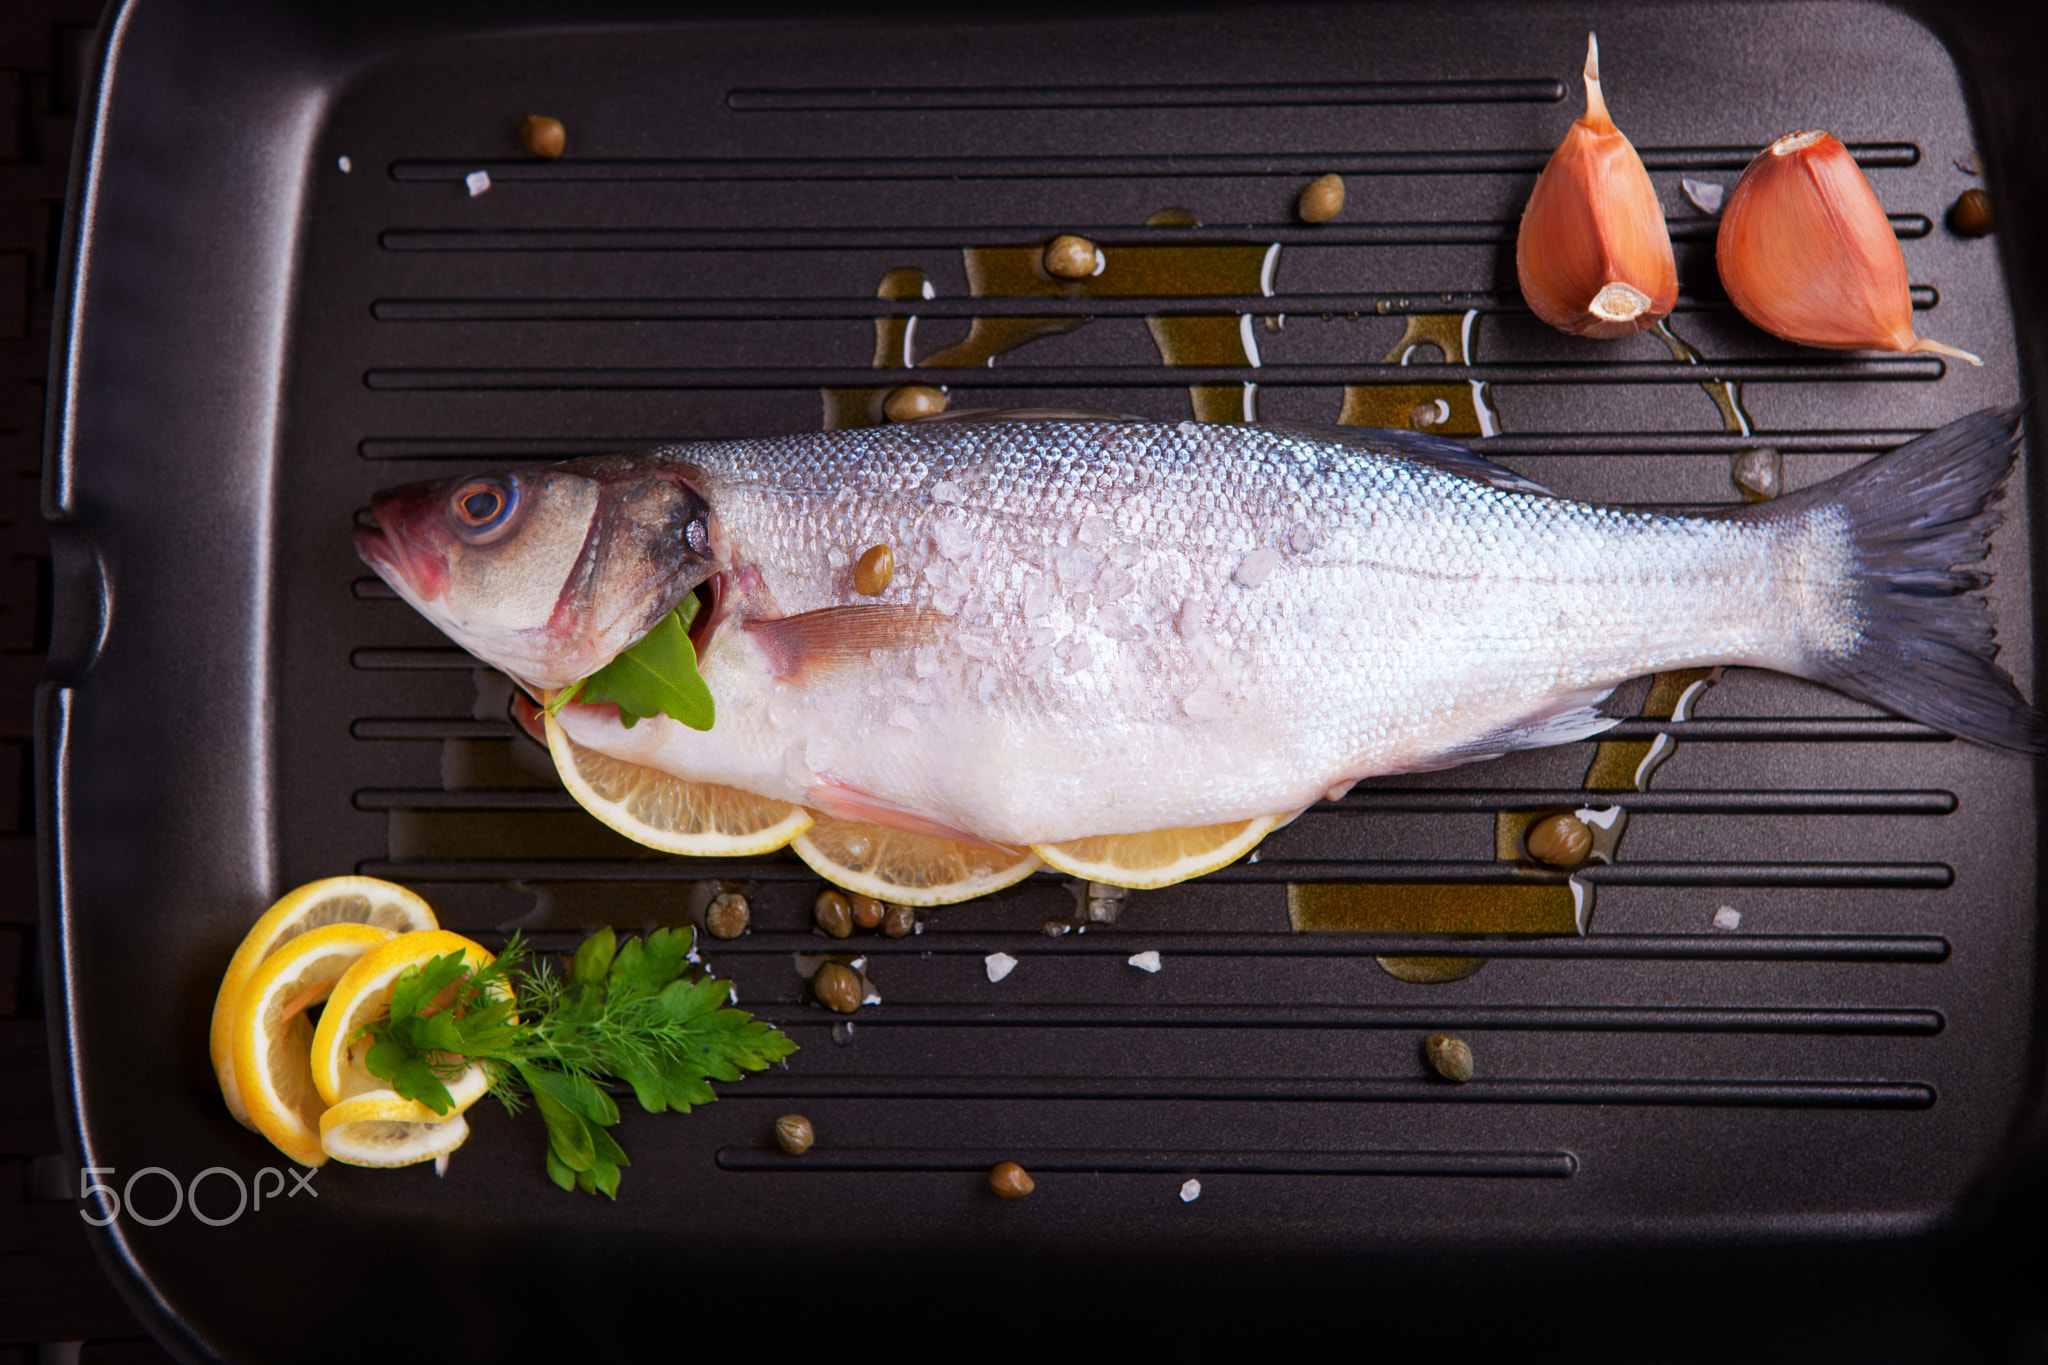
{"x":271,"y":1040}
{"x":1160,"y":858}
{"x":652,"y":808}
{"x":376,"y":1129}
{"x":363,"y":994}
{"x":907,"y":869}
{"x":336,"y":900}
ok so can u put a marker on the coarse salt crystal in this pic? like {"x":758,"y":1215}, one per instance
{"x":1202,"y":704}
{"x":478,"y":182}
{"x":1188,"y":429}
{"x":1705,"y":194}
{"x":1301,"y":540}
{"x":1147,"y":961}
{"x":903,"y":718}
{"x":945,"y":490}
{"x":1727,"y":917}
{"x":1080,"y":658}
{"x":1094,"y":531}
{"x":1190,"y":1191}
{"x":346,"y":165}
{"x":1252,"y":570}
{"x":953,"y":538}
{"x":999,"y":965}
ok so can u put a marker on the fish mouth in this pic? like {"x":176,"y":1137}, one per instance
{"x":400,"y":560}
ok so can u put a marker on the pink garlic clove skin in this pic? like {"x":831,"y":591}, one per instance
{"x":1593,"y":255}
{"x":1806,"y":252}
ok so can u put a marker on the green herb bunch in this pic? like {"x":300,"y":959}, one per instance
{"x":629,"y":1012}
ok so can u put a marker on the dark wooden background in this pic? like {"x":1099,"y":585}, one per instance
{"x":56,"y":1305}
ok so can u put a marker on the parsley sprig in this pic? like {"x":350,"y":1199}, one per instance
{"x":657,"y":676}
{"x":635,"y":1012}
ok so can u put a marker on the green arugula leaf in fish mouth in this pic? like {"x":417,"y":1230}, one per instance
{"x":656,"y":677}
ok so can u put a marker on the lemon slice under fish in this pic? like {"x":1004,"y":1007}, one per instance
{"x":1159,"y":858}
{"x":652,"y":808}
{"x":907,"y":869}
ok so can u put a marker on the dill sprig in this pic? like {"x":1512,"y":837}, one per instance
{"x":639,"y":1012}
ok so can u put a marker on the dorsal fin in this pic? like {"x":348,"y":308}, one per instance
{"x":977,"y":416}
{"x":1435,"y":451}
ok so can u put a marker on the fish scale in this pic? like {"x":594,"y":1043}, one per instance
{"x":1105,"y":626}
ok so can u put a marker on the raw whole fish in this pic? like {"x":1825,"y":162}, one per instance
{"x":1101,"y":625}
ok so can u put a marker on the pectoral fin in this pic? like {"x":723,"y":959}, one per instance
{"x":832,"y":636}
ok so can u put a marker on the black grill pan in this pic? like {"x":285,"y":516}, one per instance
{"x":1811,"y":1135}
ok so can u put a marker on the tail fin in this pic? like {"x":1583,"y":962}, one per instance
{"x":1916,"y":519}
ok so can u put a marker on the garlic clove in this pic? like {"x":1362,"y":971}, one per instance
{"x":1593,"y":254}
{"x":1806,"y":253}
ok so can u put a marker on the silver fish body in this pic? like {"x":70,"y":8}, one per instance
{"x":1102,"y":626}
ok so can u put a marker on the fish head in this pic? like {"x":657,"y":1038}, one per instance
{"x":546,"y":573}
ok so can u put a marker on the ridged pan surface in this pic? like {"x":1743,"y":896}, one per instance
{"x":1793,"y":1004}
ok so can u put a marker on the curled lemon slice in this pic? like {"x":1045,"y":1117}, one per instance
{"x":377,"y":1128}
{"x":1160,"y":858}
{"x":271,"y":1039}
{"x":907,"y":869}
{"x":334,"y":900}
{"x":361,"y":995}
{"x":652,"y":808}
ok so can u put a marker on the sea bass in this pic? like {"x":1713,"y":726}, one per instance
{"x":1101,"y":625}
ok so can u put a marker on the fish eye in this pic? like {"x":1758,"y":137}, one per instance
{"x":482,"y":508}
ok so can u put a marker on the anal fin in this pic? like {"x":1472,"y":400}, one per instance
{"x":1579,"y":720}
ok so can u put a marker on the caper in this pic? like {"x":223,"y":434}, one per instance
{"x":543,"y":136}
{"x":1970,"y":215}
{"x":1010,"y":1181}
{"x":899,"y":920}
{"x":838,"y":988}
{"x":871,"y":575}
{"x":1561,"y":841}
{"x":1321,"y":200}
{"x":1449,"y":1056}
{"x":913,"y":400}
{"x":832,"y":914}
{"x":728,"y":915}
{"x":1071,"y":258}
{"x":793,"y":1134}
{"x":867,"y":912}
